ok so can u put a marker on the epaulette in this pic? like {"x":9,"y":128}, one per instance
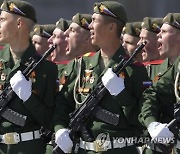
{"x":61,"y":62}
{"x":1,"y":47}
{"x":89,"y":54}
{"x":153,"y":62}
{"x":138,"y":63}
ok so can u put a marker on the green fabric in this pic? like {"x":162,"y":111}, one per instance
{"x":82,"y":20}
{"x":43,"y":30}
{"x":152,"y":24}
{"x":112,"y":9}
{"x":19,"y":7}
{"x":38,"y":108}
{"x":158,"y":101}
{"x":172,"y":19}
{"x":125,"y":104}
{"x":63,"y":24}
{"x":132,"y":28}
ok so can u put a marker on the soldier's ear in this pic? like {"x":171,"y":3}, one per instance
{"x":19,"y":22}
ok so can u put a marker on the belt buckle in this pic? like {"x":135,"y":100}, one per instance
{"x":11,"y":138}
{"x":101,"y":146}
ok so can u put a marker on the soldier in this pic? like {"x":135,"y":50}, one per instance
{"x":79,"y":43}
{"x":34,"y":98}
{"x":151,"y":57}
{"x":107,"y":23}
{"x":131,"y":37}
{"x":40,"y":35}
{"x":158,"y":101}
{"x":59,"y":56}
{"x":78,"y":36}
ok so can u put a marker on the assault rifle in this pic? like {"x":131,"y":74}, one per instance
{"x":8,"y":94}
{"x":80,"y":117}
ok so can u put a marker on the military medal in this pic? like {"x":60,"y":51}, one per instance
{"x":1,"y":66}
{"x":3,"y":76}
{"x":88,"y":74}
{"x":91,"y":80}
{"x":32,"y":77}
{"x":122,"y":75}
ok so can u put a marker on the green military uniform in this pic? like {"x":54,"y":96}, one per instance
{"x":38,"y":108}
{"x":165,"y":69}
{"x":152,"y":25}
{"x":158,"y":101}
{"x":124,"y":104}
{"x":43,"y":30}
{"x":63,"y":25}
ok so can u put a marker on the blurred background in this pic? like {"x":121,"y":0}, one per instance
{"x":49,"y":11}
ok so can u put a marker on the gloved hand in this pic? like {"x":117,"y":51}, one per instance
{"x":21,"y":86}
{"x":63,"y":140}
{"x":112,"y":82}
{"x":159,"y":130}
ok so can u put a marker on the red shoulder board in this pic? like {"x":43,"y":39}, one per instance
{"x":1,"y":47}
{"x":61,"y":62}
{"x":153,"y":62}
{"x":138,"y":63}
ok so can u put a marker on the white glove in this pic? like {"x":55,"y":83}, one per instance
{"x":63,"y":140}
{"x":160,"y":132}
{"x":21,"y":86}
{"x":112,"y":82}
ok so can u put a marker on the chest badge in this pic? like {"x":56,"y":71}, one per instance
{"x":3,"y":76}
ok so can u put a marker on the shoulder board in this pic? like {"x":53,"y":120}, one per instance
{"x":89,"y":54}
{"x":153,"y":62}
{"x":138,"y":63}
{"x":61,"y":62}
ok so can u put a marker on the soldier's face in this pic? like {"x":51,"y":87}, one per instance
{"x":99,"y":30}
{"x":41,"y":43}
{"x":8,"y":27}
{"x":169,"y":41}
{"x":150,"y":51}
{"x":130,"y":44}
{"x":75,"y":36}
{"x":58,"y":38}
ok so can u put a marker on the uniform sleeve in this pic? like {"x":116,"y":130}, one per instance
{"x":128,"y":99}
{"x":42,"y":109}
{"x":157,"y":101}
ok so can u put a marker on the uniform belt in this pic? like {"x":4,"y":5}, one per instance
{"x":153,"y":146}
{"x":96,"y":146}
{"x":177,"y":144}
{"x":14,"y":138}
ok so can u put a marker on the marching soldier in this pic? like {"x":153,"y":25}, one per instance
{"x":34,"y":97}
{"x":150,"y":54}
{"x":158,"y":101}
{"x":107,"y":23}
{"x":40,"y":36}
{"x":131,"y":37}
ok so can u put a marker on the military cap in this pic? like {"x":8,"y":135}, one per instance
{"x":112,"y":9}
{"x":43,"y":30}
{"x":63,"y":24}
{"x":172,"y":19}
{"x":132,"y":28}
{"x":19,"y":7}
{"x":152,"y":24}
{"x":82,"y":20}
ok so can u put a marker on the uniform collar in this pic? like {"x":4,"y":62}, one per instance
{"x":115,"y":59}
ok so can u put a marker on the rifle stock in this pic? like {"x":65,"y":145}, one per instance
{"x":79,"y":117}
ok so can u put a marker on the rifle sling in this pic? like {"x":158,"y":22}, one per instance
{"x":14,"y":117}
